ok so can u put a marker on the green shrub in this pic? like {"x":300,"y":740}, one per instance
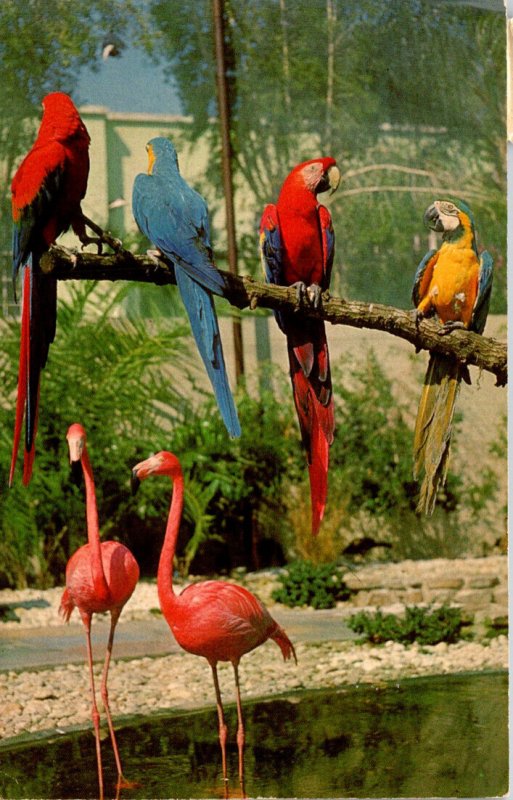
{"x":422,"y":625}
{"x":132,"y":386}
{"x":112,"y":376}
{"x":304,"y":583}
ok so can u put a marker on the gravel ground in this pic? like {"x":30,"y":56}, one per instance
{"x":58,"y":698}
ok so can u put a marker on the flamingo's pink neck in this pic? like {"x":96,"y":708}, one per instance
{"x":167,"y":596}
{"x":93,"y":529}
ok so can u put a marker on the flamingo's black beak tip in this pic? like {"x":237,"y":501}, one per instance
{"x":134,"y":481}
{"x":76,"y":472}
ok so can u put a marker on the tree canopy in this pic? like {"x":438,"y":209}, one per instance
{"x":409,"y":96}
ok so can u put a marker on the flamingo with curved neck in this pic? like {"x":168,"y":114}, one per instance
{"x":100,"y":576}
{"x":214,"y":619}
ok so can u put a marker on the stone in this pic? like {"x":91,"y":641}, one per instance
{"x":439,"y":595}
{"x":381,"y":597}
{"x":445,"y":582}
{"x":473,"y":599}
{"x":361,"y":599}
{"x":44,"y":694}
{"x":501,"y":596}
{"x":412,"y":597}
{"x":482,"y":582}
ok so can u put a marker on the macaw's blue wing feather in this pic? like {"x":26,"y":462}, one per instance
{"x":423,"y":276}
{"x":202,"y":315}
{"x":484,"y":289}
{"x":271,"y":254}
{"x":270,"y":246}
{"x":328,"y":244}
{"x":175,"y":220}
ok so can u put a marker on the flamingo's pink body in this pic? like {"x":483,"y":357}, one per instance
{"x":100,"y":577}
{"x":214,"y":619}
{"x":221,"y":621}
{"x":121,"y":574}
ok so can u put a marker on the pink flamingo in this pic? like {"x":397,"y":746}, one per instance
{"x":100,"y":576}
{"x":214,"y":619}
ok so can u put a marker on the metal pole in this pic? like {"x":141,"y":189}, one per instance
{"x":224,"y":120}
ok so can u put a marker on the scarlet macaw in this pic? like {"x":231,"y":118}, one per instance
{"x":46,"y":193}
{"x":175,"y":218}
{"x":455,"y":283}
{"x":297,"y":248}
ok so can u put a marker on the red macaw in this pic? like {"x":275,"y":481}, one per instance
{"x":455,"y":283}
{"x":46,"y":193}
{"x":297,"y":248}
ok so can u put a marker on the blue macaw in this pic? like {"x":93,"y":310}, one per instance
{"x":174,"y":218}
{"x":455,"y":283}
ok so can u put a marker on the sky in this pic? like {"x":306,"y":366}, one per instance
{"x":131,"y":83}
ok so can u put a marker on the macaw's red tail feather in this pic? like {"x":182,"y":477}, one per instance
{"x":23,"y":370}
{"x":317,"y":423}
{"x":318,"y":464}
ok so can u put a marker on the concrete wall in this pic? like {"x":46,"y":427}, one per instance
{"x":118,"y":154}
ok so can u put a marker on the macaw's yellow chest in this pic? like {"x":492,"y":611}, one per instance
{"x":454,"y":284}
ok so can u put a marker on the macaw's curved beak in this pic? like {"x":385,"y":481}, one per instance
{"x":432,"y":218}
{"x":333,"y":178}
{"x":134,"y":481}
{"x":329,"y":181}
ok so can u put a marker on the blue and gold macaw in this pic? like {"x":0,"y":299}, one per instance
{"x":174,"y":218}
{"x":455,"y":283}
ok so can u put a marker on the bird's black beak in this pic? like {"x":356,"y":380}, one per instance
{"x":432,"y":219}
{"x":76,"y":472}
{"x":134,"y":481}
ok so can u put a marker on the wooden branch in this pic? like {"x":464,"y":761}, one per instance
{"x":242,"y":292}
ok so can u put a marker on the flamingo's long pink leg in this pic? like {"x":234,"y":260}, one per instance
{"x":114,"y":616}
{"x":240,"y":729}
{"x":94,"y":708}
{"x":223,"y":730}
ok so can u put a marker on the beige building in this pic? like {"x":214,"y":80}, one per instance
{"x":118,"y":154}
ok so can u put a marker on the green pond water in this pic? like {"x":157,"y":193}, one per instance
{"x":428,"y":737}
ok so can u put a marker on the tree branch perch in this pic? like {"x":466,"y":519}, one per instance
{"x":242,"y":292}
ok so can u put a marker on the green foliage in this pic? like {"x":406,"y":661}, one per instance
{"x":116,"y":378}
{"x":43,"y":46}
{"x":235,"y":486}
{"x":371,"y":454}
{"x":423,"y":625}
{"x":307,"y":584}
{"x":130,"y":383}
{"x":348,"y":79}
